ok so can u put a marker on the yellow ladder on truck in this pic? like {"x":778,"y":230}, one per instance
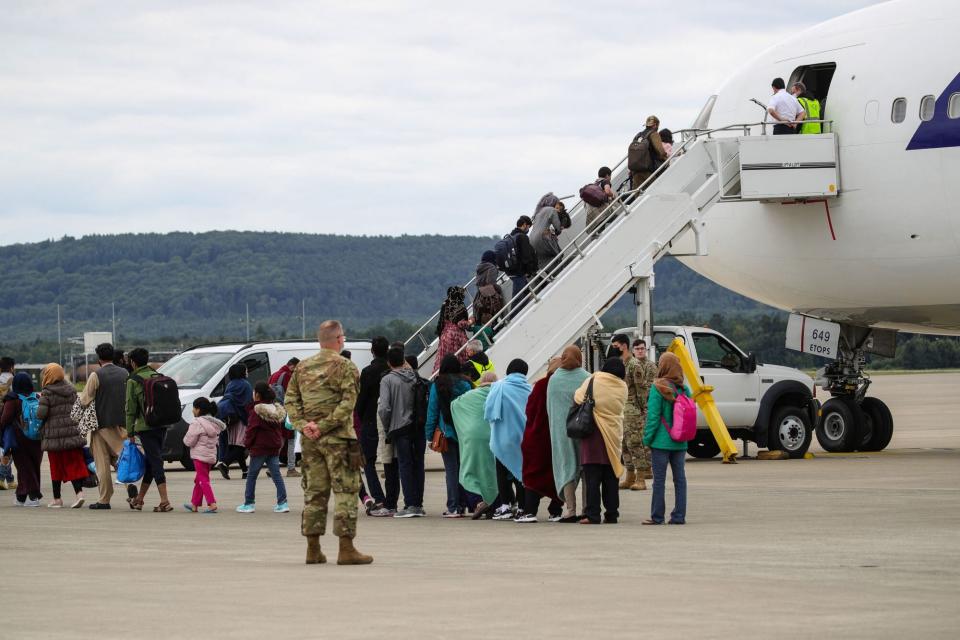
{"x":703,"y":396}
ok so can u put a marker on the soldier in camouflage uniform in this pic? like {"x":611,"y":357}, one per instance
{"x":640,"y":375}
{"x":320,"y":401}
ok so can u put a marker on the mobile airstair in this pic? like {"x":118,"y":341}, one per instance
{"x":617,"y":252}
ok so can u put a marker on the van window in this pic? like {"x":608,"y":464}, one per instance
{"x":713,"y":352}
{"x":953,"y":106}
{"x":191,"y":370}
{"x":899,"y":112}
{"x":258,"y":370}
{"x":928,"y":105}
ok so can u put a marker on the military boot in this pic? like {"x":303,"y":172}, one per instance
{"x":629,"y":480}
{"x":349,"y":554}
{"x":639,"y":484}
{"x":314,"y":555}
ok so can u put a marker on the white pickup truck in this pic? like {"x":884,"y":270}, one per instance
{"x":771,"y":405}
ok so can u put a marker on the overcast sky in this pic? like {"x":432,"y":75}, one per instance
{"x":360,"y":117}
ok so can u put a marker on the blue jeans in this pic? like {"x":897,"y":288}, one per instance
{"x":458,"y":498}
{"x":6,"y":473}
{"x":660,"y":459}
{"x":517,"y":302}
{"x":410,"y":450}
{"x":273,"y":464}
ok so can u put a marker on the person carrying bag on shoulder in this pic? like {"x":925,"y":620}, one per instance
{"x":661,"y":405}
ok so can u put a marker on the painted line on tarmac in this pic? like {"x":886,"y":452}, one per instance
{"x":871,"y":454}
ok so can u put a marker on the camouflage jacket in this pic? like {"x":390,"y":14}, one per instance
{"x":640,"y":375}
{"x":323,"y":389}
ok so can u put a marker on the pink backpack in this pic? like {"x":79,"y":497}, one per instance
{"x":684,"y":427}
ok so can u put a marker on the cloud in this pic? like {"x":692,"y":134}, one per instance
{"x":367,"y":117}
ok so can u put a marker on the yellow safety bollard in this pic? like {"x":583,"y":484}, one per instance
{"x":703,"y":396}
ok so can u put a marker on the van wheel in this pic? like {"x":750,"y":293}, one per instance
{"x":186,"y":460}
{"x":840,"y":423}
{"x":790,"y":431}
{"x":877,"y":425}
{"x":703,"y":445}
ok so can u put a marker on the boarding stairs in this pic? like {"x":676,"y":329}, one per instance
{"x":618,"y":251}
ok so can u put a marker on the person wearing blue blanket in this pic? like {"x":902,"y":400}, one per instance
{"x":506,"y":411}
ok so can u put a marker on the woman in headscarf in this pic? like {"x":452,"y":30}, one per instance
{"x":565,"y":451}
{"x":663,"y":393}
{"x":489,"y":298}
{"x":59,"y":435}
{"x":600,"y":451}
{"x":27,"y":453}
{"x":478,"y":467}
{"x":448,"y":386}
{"x":233,"y":409}
{"x":451,"y":326}
{"x":536,"y":448}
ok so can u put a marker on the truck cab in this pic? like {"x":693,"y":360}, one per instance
{"x":771,"y":405}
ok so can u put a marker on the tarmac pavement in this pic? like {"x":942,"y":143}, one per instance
{"x":853,"y":546}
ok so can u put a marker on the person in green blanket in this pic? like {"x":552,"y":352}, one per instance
{"x":566,"y":451}
{"x":478,"y":467}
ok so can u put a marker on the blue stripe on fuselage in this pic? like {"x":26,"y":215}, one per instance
{"x":941,"y":132}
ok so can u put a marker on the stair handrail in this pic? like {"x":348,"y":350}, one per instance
{"x":501,"y":278}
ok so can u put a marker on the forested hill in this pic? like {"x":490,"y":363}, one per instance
{"x":187,"y":285}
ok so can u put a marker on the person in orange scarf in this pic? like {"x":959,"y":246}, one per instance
{"x":600,"y":451}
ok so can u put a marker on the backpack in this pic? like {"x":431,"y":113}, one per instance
{"x":486,"y":304}
{"x":161,"y":400}
{"x":593,"y":194}
{"x":421,"y":399}
{"x":28,"y":412}
{"x":684,"y":428}
{"x":640,"y":154}
{"x":508,"y":258}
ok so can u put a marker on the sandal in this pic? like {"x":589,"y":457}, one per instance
{"x":650,"y":522}
{"x":163,"y":507}
{"x":135,"y":504}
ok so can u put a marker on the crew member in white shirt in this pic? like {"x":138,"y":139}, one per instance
{"x":783,"y":109}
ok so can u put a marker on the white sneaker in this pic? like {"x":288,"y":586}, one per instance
{"x":525,"y":518}
{"x":554,"y":518}
{"x":503,"y":512}
{"x":78,"y":503}
{"x":31,"y":503}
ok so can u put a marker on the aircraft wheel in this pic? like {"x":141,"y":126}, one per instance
{"x":704,"y":445}
{"x":877,"y":425}
{"x":840,"y":423}
{"x":790,"y":431}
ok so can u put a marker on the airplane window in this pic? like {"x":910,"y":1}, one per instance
{"x":871,"y":113}
{"x":899,"y":112}
{"x":953,"y":107}
{"x":927,"y":107}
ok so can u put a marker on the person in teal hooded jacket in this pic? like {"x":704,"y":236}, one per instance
{"x":448,"y":386}
{"x":663,"y":393}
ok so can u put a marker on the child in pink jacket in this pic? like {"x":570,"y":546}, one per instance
{"x":201,"y":438}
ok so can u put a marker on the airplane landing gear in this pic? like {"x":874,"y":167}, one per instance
{"x":849,"y":421}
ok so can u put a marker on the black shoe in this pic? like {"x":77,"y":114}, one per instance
{"x":609,"y":521}
{"x":132,"y":491}
{"x":570,"y":519}
{"x":244,"y":476}
{"x":222,"y":468}
{"x":99,"y":505}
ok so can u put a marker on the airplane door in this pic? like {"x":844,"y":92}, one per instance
{"x":725,"y":368}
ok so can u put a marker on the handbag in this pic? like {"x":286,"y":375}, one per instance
{"x":439,"y":442}
{"x":85,"y":417}
{"x":131,"y":465}
{"x":580,"y":421}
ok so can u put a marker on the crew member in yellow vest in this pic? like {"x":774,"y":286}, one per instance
{"x":477,"y":362}
{"x":811,"y":108}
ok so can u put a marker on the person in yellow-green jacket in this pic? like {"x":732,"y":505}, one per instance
{"x":811,"y":108}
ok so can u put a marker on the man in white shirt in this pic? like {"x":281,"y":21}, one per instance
{"x":783,"y":109}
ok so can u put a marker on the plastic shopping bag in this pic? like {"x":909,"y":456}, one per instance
{"x":130,"y":466}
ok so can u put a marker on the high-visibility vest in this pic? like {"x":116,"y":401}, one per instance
{"x":812,"y":107}
{"x":481,"y":369}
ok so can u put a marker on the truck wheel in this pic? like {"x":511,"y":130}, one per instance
{"x":186,"y":460}
{"x":790,"y":431}
{"x":877,"y":425}
{"x":704,"y":445}
{"x":839,"y":426}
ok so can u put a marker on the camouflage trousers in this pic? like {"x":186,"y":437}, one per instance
{"x":324,"y":469}
{"x":636,"y":457}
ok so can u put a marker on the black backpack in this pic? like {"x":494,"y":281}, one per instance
{"x":421,"y":399}
{"x":640,"y":154}
{"x":508,"y":258}
{"x":161,"y":400}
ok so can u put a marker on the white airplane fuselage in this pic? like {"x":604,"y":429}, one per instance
{"x":887,"y":254}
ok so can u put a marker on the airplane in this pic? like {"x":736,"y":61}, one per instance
{"x":884,"y":255}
